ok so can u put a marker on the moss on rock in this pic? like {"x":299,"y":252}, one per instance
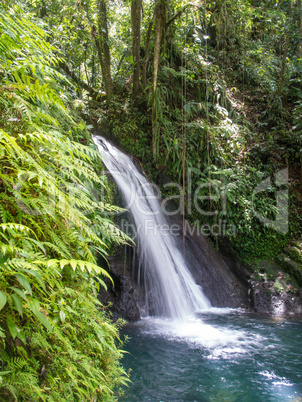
{"x":294,"y":253}
{"x":292,"y":267}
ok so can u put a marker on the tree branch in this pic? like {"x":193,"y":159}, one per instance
{"x":177,"y":15}
{"x":92,"y":92}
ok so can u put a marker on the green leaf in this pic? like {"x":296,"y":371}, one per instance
{"x":20,"y":293}
{"x":41,"y":317}
{"x":21,"y":336}
{"x":3,"y":259}
{"x":63,"y":263}
{"x":34,"y":305}
{"x":3,"y":299}
{"x":82,"y":265}
{"x":102,"y":283}
{"x":39,"y":244}
{"x":18,"y":304}
{"x":2,"y":373}
{"x":12,"y":327}
{"x":62,"y":315}
{"x":73,"y":264}
{"x":36,"y":275}
{"x":24,"y":282}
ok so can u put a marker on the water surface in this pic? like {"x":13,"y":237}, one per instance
{"x":223,"y":355}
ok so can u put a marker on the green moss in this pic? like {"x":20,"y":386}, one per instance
{"x":267,"y":270}
{"x":297,"y":243}
{"x":278,"y":286}
{"x":293,"y":268}
{"x":294,"y":253}
{"x":260,"y":247}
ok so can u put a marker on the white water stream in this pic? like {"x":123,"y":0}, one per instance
{"x":170,"y":289}
{"x":171,"y":295}
{"x":218,"y":354}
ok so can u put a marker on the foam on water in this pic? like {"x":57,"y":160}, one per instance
{"x":219,"y":341}
{"x":277,"y":380}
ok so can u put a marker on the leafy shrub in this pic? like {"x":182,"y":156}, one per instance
{"x":57,"y":342}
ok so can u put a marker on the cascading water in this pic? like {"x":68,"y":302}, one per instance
{"x":169,"y":285}
{"x":233,"y":355}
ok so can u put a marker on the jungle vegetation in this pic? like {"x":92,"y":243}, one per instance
{"x":214,"y":87}
{"x":57,"y":342}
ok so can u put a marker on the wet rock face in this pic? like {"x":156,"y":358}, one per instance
{"x":224,"y":280}
{"x":291,"y":260}
{"x":122,"y":296}
{"x":221,"y":280}
{"x":225,"y":287}
{"x":222,"y":285}
{"x":266,"y":299}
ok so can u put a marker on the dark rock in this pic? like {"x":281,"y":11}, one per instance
{"x":219,"y":281}
{"x":266,"y":270}
{"x":216,"y":273}
{"x":223,"y":278}
{"x":297,"y":243}
{"x":269,"y":300}
{"x":292,"y":267}
{"x":122,"y":296}
{"x":294,"y":253}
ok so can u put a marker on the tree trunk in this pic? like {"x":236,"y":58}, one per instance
{"x":101,"y":39}
{"x":283,"y":65}
{"x":92,"y":92}
{"x":280,"y":83}
{"x":299,"y":29}
{"x":92,"y":70}
{"x":43,"y":11}
{"x":136,"y":7}
{"x":146,"y":58}
{"x":159,"y":20}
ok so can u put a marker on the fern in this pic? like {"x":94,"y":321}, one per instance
{"x":52,"y":226}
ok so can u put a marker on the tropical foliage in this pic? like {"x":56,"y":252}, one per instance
{"x":210,"y":88}
{"x":217,"y":84}
{"x":57,"y":342}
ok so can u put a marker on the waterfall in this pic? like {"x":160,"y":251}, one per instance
{"x":170,"y":290}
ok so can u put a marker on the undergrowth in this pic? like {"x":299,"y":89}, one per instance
{"x":57,"y":342}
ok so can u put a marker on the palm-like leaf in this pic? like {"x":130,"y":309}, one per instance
{"x":52,"y":225}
